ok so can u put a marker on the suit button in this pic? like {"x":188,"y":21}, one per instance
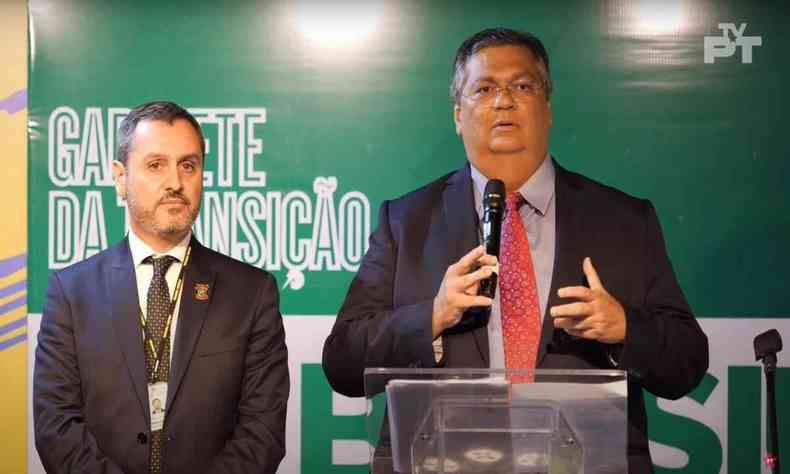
{"x":142,"y":438}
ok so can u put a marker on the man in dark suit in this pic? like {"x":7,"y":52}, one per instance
{"x":158,"y":354}
{"x":584,"y":278}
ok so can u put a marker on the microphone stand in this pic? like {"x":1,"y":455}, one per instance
{"x":766,"y":345}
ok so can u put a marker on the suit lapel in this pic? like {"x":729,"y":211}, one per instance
{"x":125,"y":313}
{"x":196,"y":295}
{"x":568,"y":251}
{"x":461,"y":224}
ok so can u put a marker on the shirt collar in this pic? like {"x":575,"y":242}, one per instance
{"x":140,"y":250}
{"x":538,"y":191}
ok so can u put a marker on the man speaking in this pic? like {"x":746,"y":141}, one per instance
{"x":159,"y":355}
{"x":584,"y":277}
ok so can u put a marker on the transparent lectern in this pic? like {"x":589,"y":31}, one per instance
{"x":437,"y":421}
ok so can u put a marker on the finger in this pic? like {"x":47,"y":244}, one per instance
{"x":584,"y":334}
{"x":464,"y":301}
{"x":574,"y":324}
{"x":591,"y":274}
{"x":467,"y":262}
{"x":571,"y":310}
{"x":493,"y":265}
{"x":470,"y":279}
{"x":472,"y":290}
{"x":579,"y":292}
{"x":564,"y":323}
{"x":487,"y":260}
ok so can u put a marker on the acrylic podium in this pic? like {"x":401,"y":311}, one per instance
{"x":437,"y":421}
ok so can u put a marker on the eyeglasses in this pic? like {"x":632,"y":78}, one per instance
{"x":521,"y":90}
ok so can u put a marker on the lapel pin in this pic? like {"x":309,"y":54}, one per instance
{"x":201,"y":291}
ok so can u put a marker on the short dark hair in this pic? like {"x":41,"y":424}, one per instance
{"x":160,"y":110}
{"x":496,"y":37}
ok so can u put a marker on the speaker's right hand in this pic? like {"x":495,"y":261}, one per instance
{"x":458,"y":290}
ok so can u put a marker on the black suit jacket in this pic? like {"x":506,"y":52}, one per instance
{"x":228,"y":384}
{"x":385,"y":320}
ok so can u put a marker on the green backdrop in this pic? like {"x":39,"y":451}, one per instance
{"x":635,"y":106}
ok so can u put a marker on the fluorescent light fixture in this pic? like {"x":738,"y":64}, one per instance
{"x":338,"y":24}
{"x":656,"y":18}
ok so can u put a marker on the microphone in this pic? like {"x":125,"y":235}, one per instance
{"x":493,"y":210}
{"x":766,"y":345}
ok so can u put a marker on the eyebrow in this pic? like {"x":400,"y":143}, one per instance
{"x":189,"y":156}
{"x":511,"y":78}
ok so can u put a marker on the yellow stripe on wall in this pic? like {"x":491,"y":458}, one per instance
{"x":13,"y":239}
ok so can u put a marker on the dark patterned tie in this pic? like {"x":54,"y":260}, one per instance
{"x":158,"y":312}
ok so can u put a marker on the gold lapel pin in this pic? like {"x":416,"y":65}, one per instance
{"x":201,"y":291}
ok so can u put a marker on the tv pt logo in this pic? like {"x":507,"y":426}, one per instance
{"x":724,"y":47}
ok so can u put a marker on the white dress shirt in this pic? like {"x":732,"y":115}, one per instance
{"x":539,"y":218}
{"x":144,"y":272}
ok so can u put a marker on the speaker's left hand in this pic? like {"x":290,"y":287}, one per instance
{"x":595,"y":315}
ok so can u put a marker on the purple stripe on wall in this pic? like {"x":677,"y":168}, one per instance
{"x":13,"y":325}
{"x":13,"y":341}
{"x":12,"y":264}
{"x":13,"y":304}
{"x":14,"y":102}
{"x":14,"y":288}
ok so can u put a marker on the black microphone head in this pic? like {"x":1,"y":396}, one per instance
{"x":769,"y":342}
{"x":493,"y":210}
{"x":494,"y":195}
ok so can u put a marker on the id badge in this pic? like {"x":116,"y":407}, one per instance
{"x":157,"y":396}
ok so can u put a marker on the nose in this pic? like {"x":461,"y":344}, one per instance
{"x":504,"y":98}
{"x":174,"y":180}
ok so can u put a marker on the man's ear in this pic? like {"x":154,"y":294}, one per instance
{"x":457,"y":119}
{"x":119,"y":176}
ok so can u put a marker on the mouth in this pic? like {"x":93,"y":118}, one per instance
{"x":505,"y":125}
{"x":173,"y":202}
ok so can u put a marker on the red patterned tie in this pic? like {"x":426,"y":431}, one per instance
{"x":518,"y":292}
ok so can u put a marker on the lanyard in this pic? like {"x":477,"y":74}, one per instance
{"x":148,"y":342}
